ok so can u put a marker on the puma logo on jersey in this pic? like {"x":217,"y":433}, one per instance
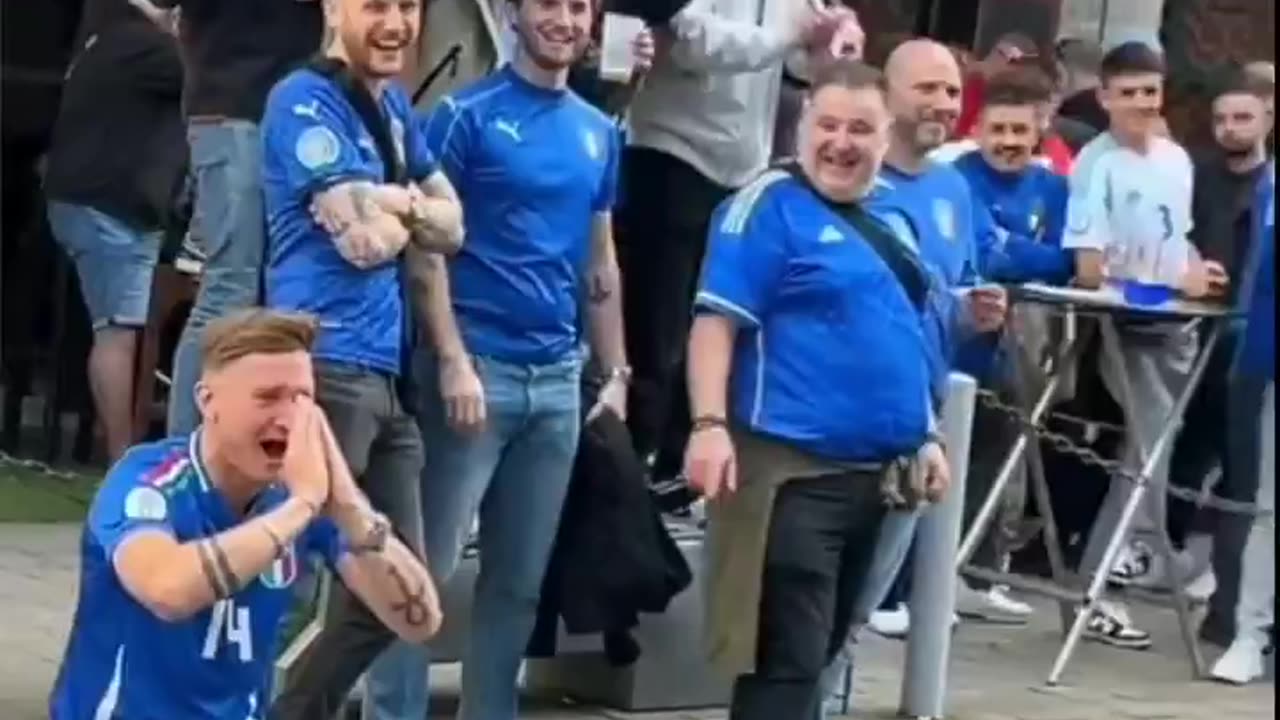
{"x":508,"y":128}
{"x":830,"y":236}
{"x":311,"y":110}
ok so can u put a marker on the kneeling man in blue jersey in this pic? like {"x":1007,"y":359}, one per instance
{"x":810,"y":377}
{"x":192,"y":543}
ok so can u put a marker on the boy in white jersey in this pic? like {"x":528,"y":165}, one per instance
{"x":1128,"y":219}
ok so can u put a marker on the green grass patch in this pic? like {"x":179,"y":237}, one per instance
{"x":30,"y":496}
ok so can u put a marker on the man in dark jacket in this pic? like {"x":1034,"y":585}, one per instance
{"x":115,"y":163}
{"x":235,"y":51}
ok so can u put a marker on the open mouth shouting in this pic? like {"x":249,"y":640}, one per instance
{"x":274,"y":449}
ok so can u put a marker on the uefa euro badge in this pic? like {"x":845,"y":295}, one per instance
{"x":283,"y":571}
{"x":591,"y":144}
{"x":944,"y":214}
{"x":145,"y":503}
{"x":317,"y":146}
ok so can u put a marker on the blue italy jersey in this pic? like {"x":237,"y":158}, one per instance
{"x":312,"y":140}
{"x":934,"y":212}
{"x":1027,"y":211}
{"x":533,"y":166}
{"x":830,"y":356}
{"x":123,"y":662}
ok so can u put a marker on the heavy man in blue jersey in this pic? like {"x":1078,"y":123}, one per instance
{"x":536,"y":168}
{"x":355,"y":209}
{"x":192,"y":543}
{"x":810,"y":382}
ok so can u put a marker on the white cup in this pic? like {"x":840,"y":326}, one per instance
{"x":617,"y":56}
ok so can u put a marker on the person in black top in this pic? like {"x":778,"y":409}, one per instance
{"x":234,"y":52}
{"x":116,"y":159}
{"x":1225,"y":183}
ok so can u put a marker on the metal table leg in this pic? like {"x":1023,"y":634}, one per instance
{"x":1148,"y":458}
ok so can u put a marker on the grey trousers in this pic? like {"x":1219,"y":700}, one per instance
{"x":1255,"y":610}
{"x":382,"y":445}
{"x":1157,"y":366}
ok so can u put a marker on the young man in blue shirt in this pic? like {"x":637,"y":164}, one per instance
{"x":1024,"y":204}
{"x":192,"y":543}
{"x":355,"y":206}
{"x":795,"y":424}
{"x":536,"y":167}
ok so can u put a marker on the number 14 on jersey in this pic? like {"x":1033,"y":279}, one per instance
{"x":228,"y":625}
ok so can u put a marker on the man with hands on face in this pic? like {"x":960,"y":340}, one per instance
{"x":357,"y":210}
{"x":192,"y":543}
{"x":799,"y":442}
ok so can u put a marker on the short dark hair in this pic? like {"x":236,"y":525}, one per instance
{"x":848,"y":74}
{"x":1241,"y":82}
{"x":1018,"y":86}
{"x":1131,"y":58}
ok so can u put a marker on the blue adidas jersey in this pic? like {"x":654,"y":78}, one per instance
{"x":124,"y":663}
{"x":533,"y":167}
{"x":1257,"y":354}
{"x":830,"y":355}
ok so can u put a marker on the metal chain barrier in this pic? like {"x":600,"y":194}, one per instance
{"x":1114,"y":469}
{"x":40,"y":468}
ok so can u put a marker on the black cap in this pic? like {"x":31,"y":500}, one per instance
{"x":653,"y":12}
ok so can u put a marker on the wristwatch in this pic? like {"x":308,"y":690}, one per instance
{"x":375,"y":536}
{"x":620,"y":374}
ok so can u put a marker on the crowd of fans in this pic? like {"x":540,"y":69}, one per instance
{"x":813,"y":243}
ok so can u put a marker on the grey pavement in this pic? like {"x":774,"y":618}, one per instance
{"x":997,"y":673}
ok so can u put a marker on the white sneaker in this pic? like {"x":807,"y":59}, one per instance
{"x":1241,"y":664}
{"x":1135,"y":563}
{"x":993,"y":606}
{"x":895,"y":623}
{"x":1203,"y":587}
{"x":1110,"y":624}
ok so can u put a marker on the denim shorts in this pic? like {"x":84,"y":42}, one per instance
{"x":114,"y":261}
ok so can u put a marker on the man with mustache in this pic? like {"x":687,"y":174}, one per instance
{"x":795,"y":440}
{"x":536,"y":167}
{"x":1026,"y":205}
{"x":1131,"y":196}
{"x":1223,"y":210}
{"x":358,"y":213}
{"x":929,"y":205}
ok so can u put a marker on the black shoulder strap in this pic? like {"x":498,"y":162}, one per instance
{"x":902,"y":261}
{"x":366,"y":106}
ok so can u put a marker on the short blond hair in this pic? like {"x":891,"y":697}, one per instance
{"x":256,"y":331}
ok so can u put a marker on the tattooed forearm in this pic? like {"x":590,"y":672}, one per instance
{"x":600,"y":289}
{"x":412,"y":605}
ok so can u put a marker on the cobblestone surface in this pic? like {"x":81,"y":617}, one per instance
{"x":997,"y":672}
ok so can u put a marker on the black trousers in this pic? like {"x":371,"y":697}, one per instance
{"x":661,"y":234}
{"x":822,"y":538}
{"x":381,"y":443}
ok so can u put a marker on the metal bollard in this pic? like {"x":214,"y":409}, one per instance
{"x":933,"y":593}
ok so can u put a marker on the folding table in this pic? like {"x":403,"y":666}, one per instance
{"x":1106,"y":305}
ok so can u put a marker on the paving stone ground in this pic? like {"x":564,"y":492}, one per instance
{"x":997,"y":673}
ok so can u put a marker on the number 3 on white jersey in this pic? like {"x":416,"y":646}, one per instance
{"x":233,"y":622}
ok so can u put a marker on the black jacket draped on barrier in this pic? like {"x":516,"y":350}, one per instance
{"x":613,"y":557}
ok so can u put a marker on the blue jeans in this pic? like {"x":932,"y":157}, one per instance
{"x":229,"y":222}
{"x":114,"y":261}
{"x":896,"y":535}
{"x":515,"y":473}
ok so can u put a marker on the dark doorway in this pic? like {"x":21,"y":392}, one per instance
{"x":953,"y":22}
